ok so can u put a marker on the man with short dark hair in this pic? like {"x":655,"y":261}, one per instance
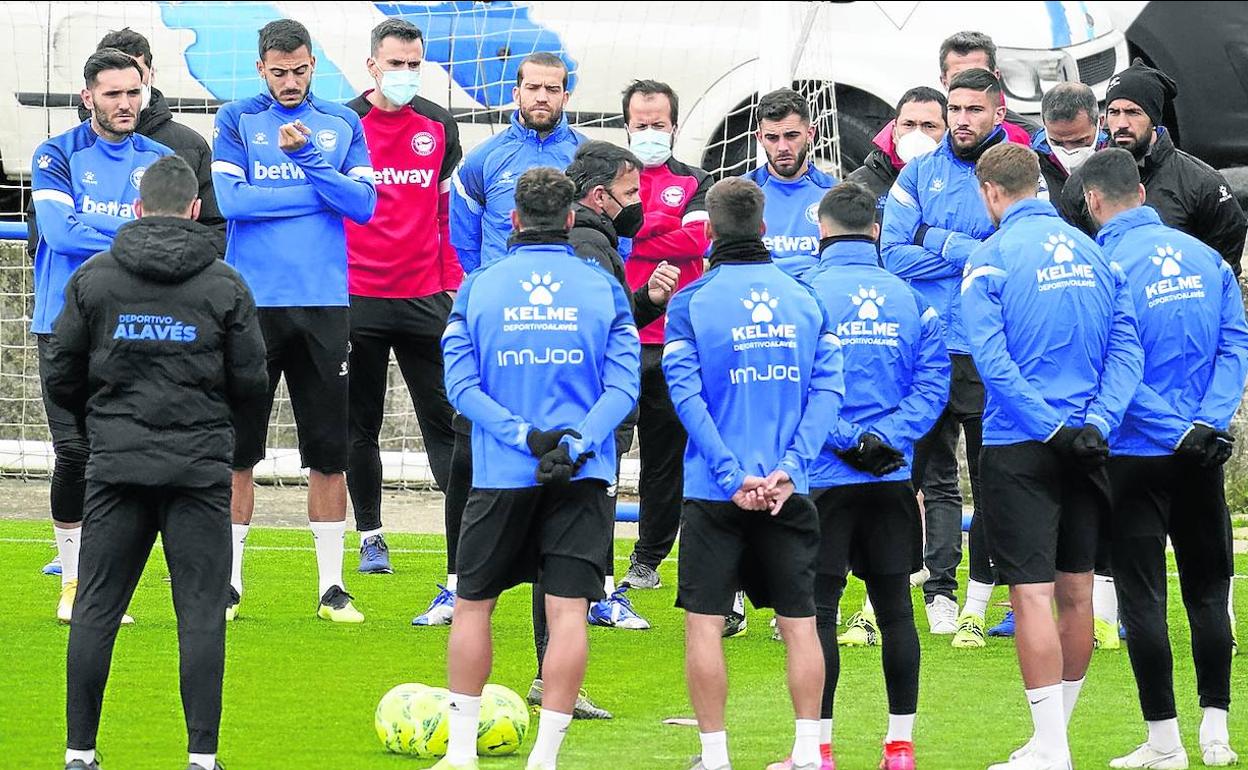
{"x":289,"y":168}
{"x":933,"y":220}
{"x":1187,"y":194}
{"x":1165,"y":468}
{"x":157,"y":344}
{"x":1055,"y":340}
{"x":545,"y":382}
{"x":1071,"y":133}
{"x":673,"y":198}
{"x":755,"y":374}
{"x":896,"y":384}
{"x":402,"y":273}
{"x":790,"y":181}
{"x":83,"y":186}
{"x":968,"y":50}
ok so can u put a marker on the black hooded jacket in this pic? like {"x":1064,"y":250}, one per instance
{"x":157,"y":123}
{"x":1188,"y":195}
{"x":158,"y":342}
{"x":593,"y":238}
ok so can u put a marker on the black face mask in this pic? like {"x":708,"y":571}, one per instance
{"x":628,"y":220}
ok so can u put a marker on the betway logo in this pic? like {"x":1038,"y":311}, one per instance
{"x":789,"y":244}
{"x":276,"y":171}
{"x":111,"y":208}
{"x":416,"y":176}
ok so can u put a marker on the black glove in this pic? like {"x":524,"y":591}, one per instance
{"x":542,"y":442}
{"x":555,"y":467}
{"x":1063,"y":440}
{"x":873,"y":455}
{"x":1090,"y":448}
{"x":1206,"y":445}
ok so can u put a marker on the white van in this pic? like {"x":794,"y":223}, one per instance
{"x":717,"y":55}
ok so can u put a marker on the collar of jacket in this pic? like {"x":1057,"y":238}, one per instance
{"x":560,"y":132}
{"x":587,"y":217}
{"x":1027,"y":207}
{"x":165,"y":249}
{"x":538,"y":238}
{"x":1159,"y":153}
{"x":739,"y":251}
{"x":839,"y":250}
{"x":1118,"y":225}
{"x":996,"y":137}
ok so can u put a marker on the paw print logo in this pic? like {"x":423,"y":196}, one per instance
{"x":1061,"y":247}
{"x":541,"y":289}
{"x":44,"y":161}
{"x":760,"y":304}
{"x":868,"y":302}
{"x":1168,"y":260}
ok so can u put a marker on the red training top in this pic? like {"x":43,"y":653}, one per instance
{"x":673,"y":197}
{"x":405,"y":250}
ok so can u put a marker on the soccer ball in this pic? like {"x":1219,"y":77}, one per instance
{"x":504,"y":721}
{"x":430,"y":716}
{"x":393,"y":718}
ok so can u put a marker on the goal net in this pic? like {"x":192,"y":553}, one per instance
{"x":204,"y":55}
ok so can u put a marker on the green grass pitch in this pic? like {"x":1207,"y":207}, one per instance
{"x":300,"y":693}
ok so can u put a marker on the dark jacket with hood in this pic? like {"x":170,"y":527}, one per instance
{"x":158,"y":342}
{"x":157,"y":123}
{"x":593,"y":238}
{"x":1188,"y":195}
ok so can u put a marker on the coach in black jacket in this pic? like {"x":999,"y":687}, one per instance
{"x":158,"y":341}
{"x":1188,"y":194}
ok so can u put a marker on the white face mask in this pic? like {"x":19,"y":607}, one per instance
{"x":147,"y":98}
{"x":651,"y":146}
{"x":914,"y":144}
{"x":400,"y":86}
{"x":1072,"y":159}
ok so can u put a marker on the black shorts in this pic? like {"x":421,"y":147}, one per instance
{"x":559,"y":536}
{"x":724,"y":549}
{"x":61,"y":423}
{"x":1042,"y":512}
{"x":873,"y":529}
{"x":309,"y":345}
{"x":1172,"y":497}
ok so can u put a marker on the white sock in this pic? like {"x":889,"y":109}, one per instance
{"x":825,"y":731}
{"x":206,"y":761}
{"x":68,"y":543}
{"x":867,"y":609}
{"x":329,"y":537}
{"x":1048,"y":716}
{"x":1213,"y":726}
{"x":1230,"y":602}
{"x":738,"y":603}
{"x":1164,"y":735}
{"x":370,"y":533}
{"x":87,"y":756}
{"x":551,"y":727}
{"x":1105,"y":600}
{"x":714,"y":750}
{"x":900,"y":727}
{"x":806,"y":742}
{"x":608,"y":584}
{"x":465,"y":711}
{"x":1070,"y":695}
{"x":239,"y":537}
{"x":452,"y":582}
{"x":977,"y":596}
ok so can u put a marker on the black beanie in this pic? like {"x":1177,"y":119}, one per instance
{"x":1150,"y":88}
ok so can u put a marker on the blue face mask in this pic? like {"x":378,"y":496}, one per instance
{"x":651,"y":146}
{"x":400,"y":86}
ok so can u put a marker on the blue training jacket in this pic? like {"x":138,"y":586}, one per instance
{"x":791,"y":214}
{"x":483,"y":189}
{"x":1054,"y":335}
{"x":755,"y":374}
{"x":284,"y":228}
{"x":84,"y":189}
{"x":1191,"y":321}
{"x":933,"y":220}
{"x":896,"y":365}
{"x":541,"y":340}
